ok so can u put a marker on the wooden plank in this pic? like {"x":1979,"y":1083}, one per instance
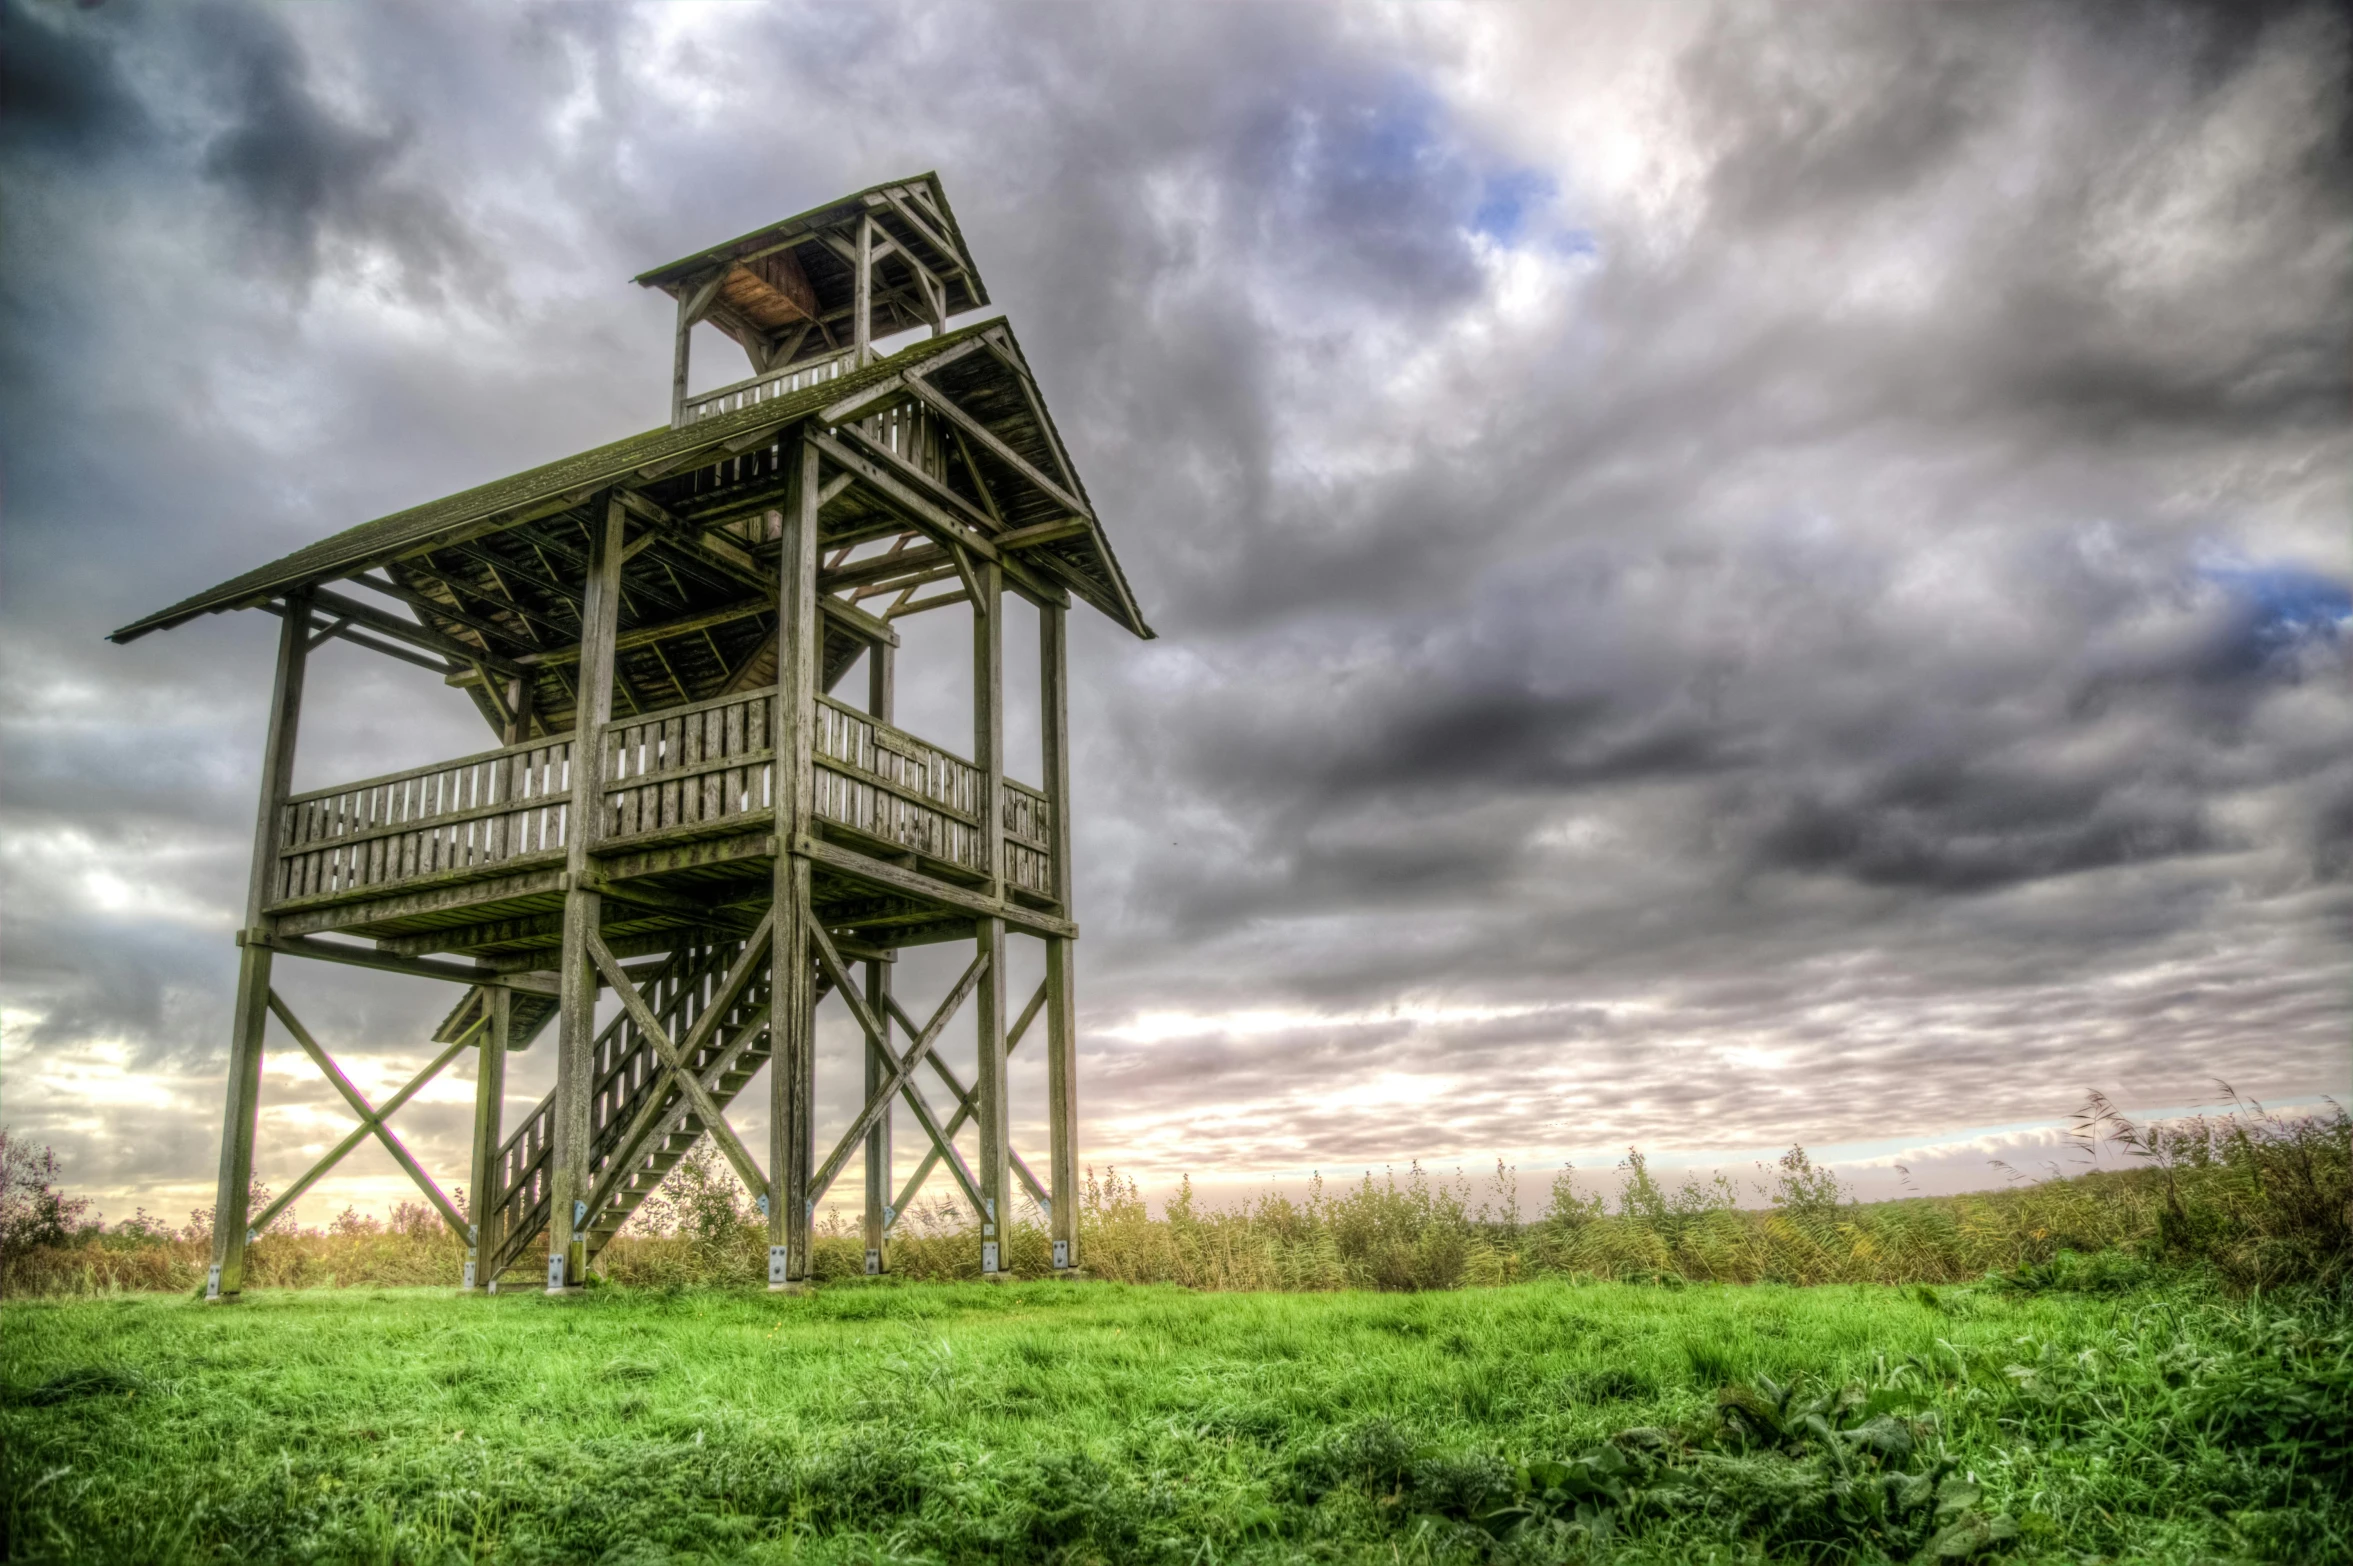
{"x":866,"y":867}
{"x":435,"y":894}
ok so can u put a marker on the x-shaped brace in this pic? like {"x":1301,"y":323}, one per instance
{"x":676,"y":1058}
{"x":371,"y":1120}
{"x":966,"y":1110}
{"x":901,"y":1069}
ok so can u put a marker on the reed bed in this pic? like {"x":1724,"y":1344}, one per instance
{"x":2258,"y":1198}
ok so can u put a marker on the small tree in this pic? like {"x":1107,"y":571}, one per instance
{"x":1805,"y":1190}
{"x":33,"y":1211}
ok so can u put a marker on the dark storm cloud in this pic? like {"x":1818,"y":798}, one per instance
{"x":301,"y":173}
{"x":1776,"y":570}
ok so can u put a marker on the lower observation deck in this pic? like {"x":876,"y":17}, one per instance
{"x":469,"y":856}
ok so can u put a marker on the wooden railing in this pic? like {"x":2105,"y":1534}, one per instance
{"x":762,"y":388}
{"x":1029,"y":839}
{"x":470,"y":814}
{"x":702,"y":770}
{"x":886,"y":784}
{"x":691,"y":771}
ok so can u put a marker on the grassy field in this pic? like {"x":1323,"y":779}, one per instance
{"x":2081,"y":1417}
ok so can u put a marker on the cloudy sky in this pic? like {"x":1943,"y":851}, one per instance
{"x":1726,"y":576}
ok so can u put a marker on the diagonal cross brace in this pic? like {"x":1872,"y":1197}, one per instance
{"x":655,"y":1108}
{"x":371,"y":1119}
{"x":902,"y":1068}
{"x":966,"y":1111}
{"x":687,"y":1082}
{"x":968,"y":1108}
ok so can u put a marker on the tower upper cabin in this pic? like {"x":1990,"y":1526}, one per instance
{"x":809,"y":297}
{"x":689,"y":802}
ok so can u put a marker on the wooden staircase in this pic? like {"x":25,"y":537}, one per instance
{"x":634,"y":1141}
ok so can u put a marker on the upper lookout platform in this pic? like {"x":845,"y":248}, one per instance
{"x":787,"y":294}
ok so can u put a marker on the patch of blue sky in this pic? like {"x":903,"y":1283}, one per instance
{"x":1401,"y":139}
{"x":1506,"y":201}
{"x":2289,"y":603}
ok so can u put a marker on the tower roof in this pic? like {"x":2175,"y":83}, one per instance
{"x":491,"y":571}
{"x":786,"y":292}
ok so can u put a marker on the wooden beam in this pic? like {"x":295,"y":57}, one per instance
{"x":250,"y":1019}
{"x":968,"y":1106}
{"x":415,"y":967}
{"x":902,"y":1065}
{"x":694,"y":300}
{"x":883,"y":568}
{"x":926,"y":233}
{"x":426,"y":604}
{"x":419,"y":636}
{"x":483,"y":1202}
{"x":862,"y":264}
{"x":973,"y":429}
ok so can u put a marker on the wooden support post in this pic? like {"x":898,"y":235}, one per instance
{"x":568,"y":1171}
{"x":252,"y":1012}
{"x":988,"y":759}
{"x":991,"y":1100}
{"x":862,"y":310}
{"x":490,"y":1086}
{"x":792,"y":1068}
{"x":680,"y":355}
{"x":881,"y":702}
{"x":878,"y":1139}
{"x":1062,"y":1105}
{"x":1061,"y":953}
{"x":988,"y":717}
{"x":522,"y":691}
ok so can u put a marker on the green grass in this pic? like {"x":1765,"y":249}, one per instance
{"x":2094,"y":1417}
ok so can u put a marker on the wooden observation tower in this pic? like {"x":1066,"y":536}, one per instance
{"x":683,"y":806}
